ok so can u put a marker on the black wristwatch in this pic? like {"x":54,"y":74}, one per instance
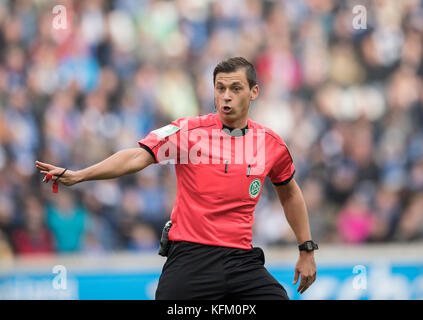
{"x":309,"y":245}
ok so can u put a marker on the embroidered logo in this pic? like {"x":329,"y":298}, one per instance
{"x":255,"y":187}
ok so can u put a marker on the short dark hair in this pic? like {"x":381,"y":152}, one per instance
{"x":232,"y":65}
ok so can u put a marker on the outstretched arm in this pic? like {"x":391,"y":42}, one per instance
{"x":121,"y":163}
{"x":295,"y":210}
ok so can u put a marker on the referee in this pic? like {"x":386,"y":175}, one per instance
{"x":221,"y":161}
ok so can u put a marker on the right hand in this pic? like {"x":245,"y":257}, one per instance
{"x":69,"y":178}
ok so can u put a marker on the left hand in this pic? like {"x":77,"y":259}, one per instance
{"x":306,"y":267}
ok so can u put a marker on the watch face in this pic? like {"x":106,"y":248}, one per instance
{"x":309,"y":246}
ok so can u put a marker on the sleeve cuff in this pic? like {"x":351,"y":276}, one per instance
{"x":149,"y":151}
{"x":285,"y":181}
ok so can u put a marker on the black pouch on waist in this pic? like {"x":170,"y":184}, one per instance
{"x":164,"y":240}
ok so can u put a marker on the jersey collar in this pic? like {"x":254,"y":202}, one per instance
{"x":230,"y":130}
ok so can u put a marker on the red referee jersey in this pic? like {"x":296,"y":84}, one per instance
{"x":219,"y":177}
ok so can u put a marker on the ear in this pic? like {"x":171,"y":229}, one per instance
{"x":254,"y":92}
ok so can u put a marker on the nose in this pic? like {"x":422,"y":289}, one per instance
{"x":227,"y":96}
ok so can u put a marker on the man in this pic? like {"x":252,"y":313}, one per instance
{"x":221,"y":162}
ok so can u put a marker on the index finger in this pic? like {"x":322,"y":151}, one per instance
{"x":296,"y":276}
{"x":42,"y":165}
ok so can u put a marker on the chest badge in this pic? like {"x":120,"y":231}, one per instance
{"x":255,"y":187}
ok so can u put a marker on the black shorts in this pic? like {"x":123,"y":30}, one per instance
{"x":203,"y":272}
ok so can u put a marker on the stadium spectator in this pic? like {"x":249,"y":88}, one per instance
{"x":410,"y":226}
{"x":33,"y":237}
{"x":6,"y":251}
{"x":356,"y":221}
{"x":67,"y":221}
{"x":143,"y":238}
{"x":387,"y":207}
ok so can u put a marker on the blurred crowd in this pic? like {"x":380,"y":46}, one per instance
{"x":348,"y":102}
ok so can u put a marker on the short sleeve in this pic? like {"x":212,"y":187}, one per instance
{"x":162,"y":143}
{"x":283,"y":168}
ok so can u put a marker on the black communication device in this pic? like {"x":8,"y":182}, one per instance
{"x":164,"y":240}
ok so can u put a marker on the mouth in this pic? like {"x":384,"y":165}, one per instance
{"x":226,"y":109}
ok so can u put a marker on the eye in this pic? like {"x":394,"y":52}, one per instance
{"x":236,"y":89}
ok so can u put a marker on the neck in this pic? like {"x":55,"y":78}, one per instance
{"x":236,"y":124}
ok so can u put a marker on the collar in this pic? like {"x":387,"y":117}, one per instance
{"x":234,"y":131}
